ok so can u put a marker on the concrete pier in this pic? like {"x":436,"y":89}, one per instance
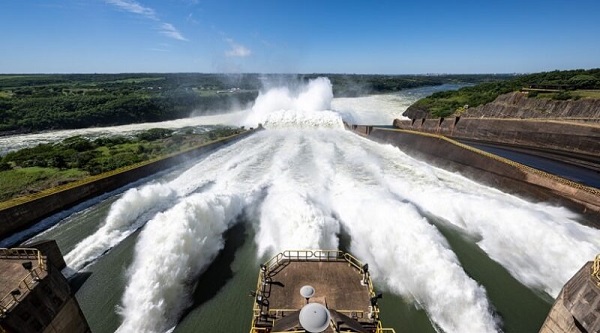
{"x":577,"y":308}
{"x":34,"y":295}
{"x":490,"y":169}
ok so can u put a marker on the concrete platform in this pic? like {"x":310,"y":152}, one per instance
{"x":577,"y":308}
{"x":340,"y":282}
{"x":337,"y":285}
{"x":16,"y":278}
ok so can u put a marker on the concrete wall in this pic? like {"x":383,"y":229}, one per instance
{"x":493,"y":170}
{"x":577,"y":308}
{"x":49,"y":307}
{"x":551,"y":134}
{"x":29,"y":210}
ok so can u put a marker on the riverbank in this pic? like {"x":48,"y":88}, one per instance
{"x":22,"y":212}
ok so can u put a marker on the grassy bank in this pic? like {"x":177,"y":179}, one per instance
{"x":32,"y":170}
{"x":572,"y":84}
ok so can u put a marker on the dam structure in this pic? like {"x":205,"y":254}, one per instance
{"x":305,"y":182}
{"x":577,"y":308}
{"x":34,"y":295}
{"x":456,"y":144}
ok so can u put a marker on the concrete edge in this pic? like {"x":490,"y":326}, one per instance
{"x":22,"y":212}
{"x":580,"y":197}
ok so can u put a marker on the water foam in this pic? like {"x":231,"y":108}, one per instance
{"x":302,"y":185}
{"x":126,"y":215}
{"x":173,"y":249}
{"x":540,"y":245}
{"x":404,"y":251}
{"x":309,"y":107}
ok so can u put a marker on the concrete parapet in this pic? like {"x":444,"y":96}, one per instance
{"x":35,"y":296}
{"x":494,"y":170}
{"x":560,"y":135}
{"x":20,"y":213}
{"x":577,"y":308}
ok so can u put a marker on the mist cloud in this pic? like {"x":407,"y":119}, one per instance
{"x":237,"y":50}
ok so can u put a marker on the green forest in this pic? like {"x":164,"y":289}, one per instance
{"x":572,"y":84}
{"x":33,"y":169}
{"x":30,"y":103}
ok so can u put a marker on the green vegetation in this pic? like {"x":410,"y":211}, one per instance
{"x":30,"y":103}
{"x":357,"y":85}
{"x":565,"y":95}
{"x":22,"y":181}
{"x":569,"y":85}
{"x":41,"y":102}
{"x":33,"y":169}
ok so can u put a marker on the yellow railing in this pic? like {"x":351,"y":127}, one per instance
{"x":310,"y":255}
{"x":24,"y":254}
{"x":596,"y":269}
{"x":517,"y":165}
{"x":8,"y":301}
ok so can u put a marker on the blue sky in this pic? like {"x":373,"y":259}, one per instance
{"x":294,"y":36}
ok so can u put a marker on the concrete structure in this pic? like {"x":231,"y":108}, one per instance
{"x":577,"y":308}
{"x":567,"y":136}
{"x":23,"y":212}
{"x":34,"y":295}
{"x":293,"y":282}
{"x":490,"y":169}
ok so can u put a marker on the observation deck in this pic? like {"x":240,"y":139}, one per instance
{"x":336,"y":280}
{"x":34,"y":295}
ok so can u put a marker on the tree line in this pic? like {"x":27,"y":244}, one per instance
{"x":30,"y":103}
{"x":446,"y":103}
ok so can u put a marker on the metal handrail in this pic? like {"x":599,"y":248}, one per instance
{"x":23,"y":253}
{"x":8,"y":301}
{"x":316,"y":255}
{"x":596,"y":269}
{"x":26,"y":284}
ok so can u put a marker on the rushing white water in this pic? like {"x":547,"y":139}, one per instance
{"x":383,"y":109}
{"x":174,"y":246}
{"x":126,"y":215}
{"x":374,"y":109}
{"x":304,"y":179}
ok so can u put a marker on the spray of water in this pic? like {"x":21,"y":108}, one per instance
{"x":173,"y":248}
{"x":126,"y":215}
{"x":301,"y":186}
{"x":541,"y":245}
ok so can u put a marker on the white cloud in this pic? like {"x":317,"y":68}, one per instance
{"x":169,"y":30}
{"x":237,"y":50}
{"x":134,"y":7}
{"x":190,"y":18}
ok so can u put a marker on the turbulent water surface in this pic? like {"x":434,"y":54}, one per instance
{"x":181,"y":250}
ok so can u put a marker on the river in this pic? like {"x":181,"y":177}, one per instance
{"x":180,"y":250}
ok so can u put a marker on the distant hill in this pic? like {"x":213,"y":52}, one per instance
{"x":30,"y":103}
{"x":557,"y":85}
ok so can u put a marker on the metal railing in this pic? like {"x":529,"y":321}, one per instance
{"x":23,"y":254}
{"x":26,"y":284}
{"x":273,"y":264}
{"x":596,"y":270}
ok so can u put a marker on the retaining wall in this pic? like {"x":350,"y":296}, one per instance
{"x":496,"y":171}
{"x":577,"y":308}
{"x":23,"y":212}
{"x":550,"y":134}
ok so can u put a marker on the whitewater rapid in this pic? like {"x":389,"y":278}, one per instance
{"x":303,"y":180}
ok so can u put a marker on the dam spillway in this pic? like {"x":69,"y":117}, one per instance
{"x":425,"y":232}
